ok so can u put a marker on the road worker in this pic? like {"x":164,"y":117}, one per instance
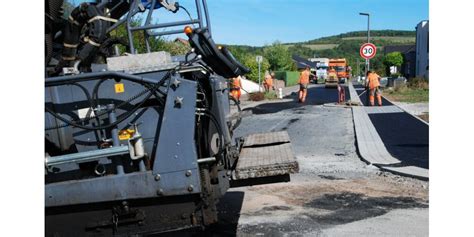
{"x":236,"y":86}
{"x":268,"y":82}
{"x":304,"y":81}
{"x":373,"y":83}
{"x":273,"y":80}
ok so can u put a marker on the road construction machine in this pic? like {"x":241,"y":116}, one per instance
{"x":340,"y":66}
{"x":138,"y":143}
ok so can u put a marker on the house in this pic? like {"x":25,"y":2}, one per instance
{"x":409,"y":58}
{"x":422,"y":49}
{"x":182,"y":41}
{"x":301,"y":63}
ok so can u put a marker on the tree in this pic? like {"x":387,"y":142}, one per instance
{"x":392,"y":59}
{"x":300,"y":50}
{"x":250,"y":62}
{"x":279,"y":57}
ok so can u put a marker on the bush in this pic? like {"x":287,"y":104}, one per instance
{"x":418,"y":83}
{"x":250,"y":62}
{"x":395,"y":75}
{"x":256,"y":96}
{"x":271,"y":95}
{"x":401,"y":89}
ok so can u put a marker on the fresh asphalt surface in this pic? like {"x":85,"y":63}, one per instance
{"x":334,"y":194}
{"x":405,"y":137}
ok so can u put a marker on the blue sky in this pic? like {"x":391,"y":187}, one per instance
{"x":260,"y":22}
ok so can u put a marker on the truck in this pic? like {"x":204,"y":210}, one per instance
{"x":140,"y":143}
{"x":340,"y":65}
{"x":322,"y":65}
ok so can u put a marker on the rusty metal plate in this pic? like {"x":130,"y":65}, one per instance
{"x":139,"y":63}
{"x":266,"y":138}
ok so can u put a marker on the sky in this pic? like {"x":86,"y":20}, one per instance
{"x":262,"y":22}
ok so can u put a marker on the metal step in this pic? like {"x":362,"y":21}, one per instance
{"x":265,"y":155}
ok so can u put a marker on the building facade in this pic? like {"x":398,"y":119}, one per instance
{"x":422,"y":49}
{"x":409,"y":58}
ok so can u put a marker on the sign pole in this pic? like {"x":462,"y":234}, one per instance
{"x":367,"y":51}
{"x":259,"y":88}
{"x":259,"y":61}
{"x":368,"y":40}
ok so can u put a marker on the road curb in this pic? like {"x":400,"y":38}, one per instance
{"x":415,"y":172}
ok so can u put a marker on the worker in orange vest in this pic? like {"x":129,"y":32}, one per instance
{"x":268,"y":82}
{"x":303,"y":81}
{"x":235,"y":88}
{"x":373,"y":83}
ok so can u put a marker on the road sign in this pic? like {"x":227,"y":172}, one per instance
{"x":259,"y":58}
{"x":368,"y":50}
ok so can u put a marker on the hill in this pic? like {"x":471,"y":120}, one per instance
{"x":378,"y":34}
{"x":344,"y":45}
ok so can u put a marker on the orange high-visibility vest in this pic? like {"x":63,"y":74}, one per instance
{"x":304,"y":77}
{"x":236,"y":83}
{"x":373,"y":79}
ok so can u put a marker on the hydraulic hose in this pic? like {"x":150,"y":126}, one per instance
{"x":219,"y":131}
{"x":122,"y":117}
{"x":97,"y":24}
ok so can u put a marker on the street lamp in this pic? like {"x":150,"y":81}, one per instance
{"x":367,"y":61}
{"x":368,"y":25}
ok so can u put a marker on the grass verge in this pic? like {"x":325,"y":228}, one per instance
{"x":408,"y":95}
{"x":417,"y":90}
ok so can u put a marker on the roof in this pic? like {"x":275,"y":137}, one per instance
{"x":399,"y":48}
{"x":181,"y":40}
{"x":302,"y":62}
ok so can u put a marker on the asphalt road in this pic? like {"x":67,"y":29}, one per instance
{"x":334,"y":194}
{"x":405,"y":137}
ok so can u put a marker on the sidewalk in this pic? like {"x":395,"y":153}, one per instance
{"x":372,"y":147}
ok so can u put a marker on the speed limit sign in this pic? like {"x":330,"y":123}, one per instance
{"x":368,"y":50}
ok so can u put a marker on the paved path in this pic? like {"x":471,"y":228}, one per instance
{"x":390,"y":138}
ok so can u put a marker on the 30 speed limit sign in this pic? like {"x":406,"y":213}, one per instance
{"x":368,"y":50}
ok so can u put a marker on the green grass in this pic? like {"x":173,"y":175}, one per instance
{"x":395,"y":39}
{"x":271,"y":95}
{"x":321,"y":46}
{"x":316,"y":46}
{"x":408,"y":95}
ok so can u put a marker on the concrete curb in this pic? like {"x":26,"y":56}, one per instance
{"x":409,"y":171}
{"x":371,"y":148}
